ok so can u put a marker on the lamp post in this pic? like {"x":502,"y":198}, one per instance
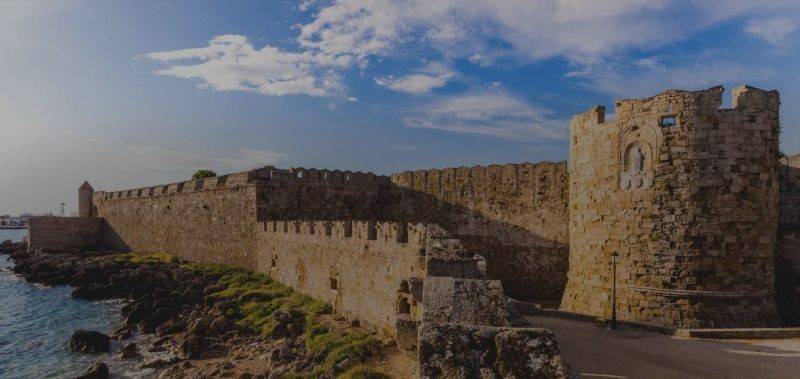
{"x":614,"y":257}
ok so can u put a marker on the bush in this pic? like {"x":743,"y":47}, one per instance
{"x":202,"y":174}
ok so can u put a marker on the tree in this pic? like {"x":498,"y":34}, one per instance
{"x":202,"y":174}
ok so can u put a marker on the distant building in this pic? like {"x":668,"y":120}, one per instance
{"x":8,"y":222}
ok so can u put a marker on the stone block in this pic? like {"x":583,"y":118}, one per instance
{"x":469,"y":351}
{"x":406,"y":333}
{"x":464,"y":301}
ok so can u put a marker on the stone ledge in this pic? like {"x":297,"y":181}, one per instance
{"x":691,"y":293}
{"x":739,"y":333}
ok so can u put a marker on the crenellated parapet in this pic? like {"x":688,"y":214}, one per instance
{"x":367,"y":270}
{"x":299,"y":176}
{"x":230,"y":181}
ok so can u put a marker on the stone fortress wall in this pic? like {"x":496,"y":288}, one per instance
{"x":207,"y":220}
{"x":358,"y":255}
{"x":787,"y":252}
{"x":687,"y":194}
{"x":514,"y":215}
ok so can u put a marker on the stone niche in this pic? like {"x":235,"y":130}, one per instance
{"x":637,"y":147}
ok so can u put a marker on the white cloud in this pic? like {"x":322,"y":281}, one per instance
{"x":582,"y":31}
{"x":346,"y":33}
{"x":427,"y":79}
{"x":772,"y":30}
{"x":231,"y":63}
{"x":492,"y":112}
{"x":648,"y":75}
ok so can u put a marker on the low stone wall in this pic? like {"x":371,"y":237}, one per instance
{"x":65,"y":233}
{"x":358,"y":267}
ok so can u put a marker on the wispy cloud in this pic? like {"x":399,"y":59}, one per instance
{"x":491,"y":112}
{"x":346,"y":33}
{"x":231,"y":63}
{"x":644,"y":76}
{"x":433,"y":76}
{"x":772,"y":30}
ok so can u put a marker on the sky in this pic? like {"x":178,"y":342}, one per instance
{"x":132,"y":94}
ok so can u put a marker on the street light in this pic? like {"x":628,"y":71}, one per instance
{"x":614,"y":257}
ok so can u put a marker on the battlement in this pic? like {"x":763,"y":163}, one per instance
{"x":679,"y":104}
{"x":236,"y":180}
{"x":492,"y":177}
{"x":381,"y":232}
{"x":299,"y":176}
{"x":268,"y":177}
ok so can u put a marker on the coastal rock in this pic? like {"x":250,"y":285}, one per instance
{"x":161,"y":361}
{"x":6,"y":246}
{"x":89,"y":341}
{"x":123,"y":332}
{"x":130,"y":351}
{"x":98,"y":370}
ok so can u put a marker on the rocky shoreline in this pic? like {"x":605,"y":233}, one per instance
{"x":190,"y":321}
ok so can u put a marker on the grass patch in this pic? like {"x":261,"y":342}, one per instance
{"x":148,"y":258}
{"x":257,"y":297}
{"x":363,"y":372}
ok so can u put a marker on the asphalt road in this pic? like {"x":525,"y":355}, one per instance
{"x":595,"y":352}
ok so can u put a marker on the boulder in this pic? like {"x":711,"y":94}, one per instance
{"x":469,"y":351}
{"x":193,"y":346}
{"x":290,"y":323}
{"x":89,"y":341}
{"x":6,"y":246}
{"x":161,"y":361}
{"x":523,"y":351}
{"x":98,"y":370}
{"x":130,"y":351}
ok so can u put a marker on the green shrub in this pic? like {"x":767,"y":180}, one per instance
{"x":202,"y":174}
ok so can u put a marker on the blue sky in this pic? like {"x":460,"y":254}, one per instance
{"x":139,"y":93}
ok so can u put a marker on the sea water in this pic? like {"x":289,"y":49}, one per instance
{"x":36,"y":323}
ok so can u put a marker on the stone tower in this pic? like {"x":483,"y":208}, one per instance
{"x":85,"y":193}
{"x":687,"y":194}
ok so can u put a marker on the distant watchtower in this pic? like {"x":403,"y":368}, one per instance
{"x":85,"y":193}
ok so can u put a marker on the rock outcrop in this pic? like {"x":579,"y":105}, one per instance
{"x":98,"y":370}
{"x":89,"y":341}
{"x":468,"y":351}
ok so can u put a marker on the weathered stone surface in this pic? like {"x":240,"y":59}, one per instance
{"x":406,"y":333}
{"x":468,"y":351}
{"x":529,"y":353}
{"x":687,"y":194}
{"x":464,"y":301}
{"x":515,"y":215}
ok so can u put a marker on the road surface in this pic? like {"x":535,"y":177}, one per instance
{"x":595,"y":352}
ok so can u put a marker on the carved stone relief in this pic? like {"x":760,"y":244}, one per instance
{"x":635,"y":167}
